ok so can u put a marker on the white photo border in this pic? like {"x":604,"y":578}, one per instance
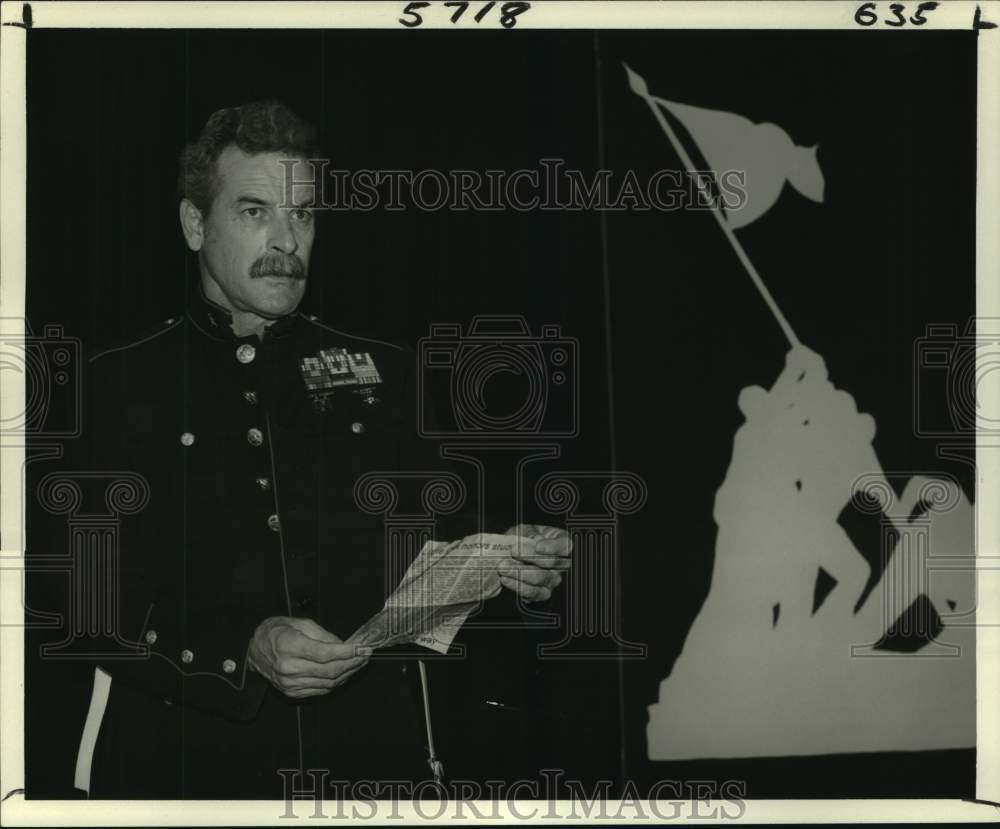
{"x":545,"y":14}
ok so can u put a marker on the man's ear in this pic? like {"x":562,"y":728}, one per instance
{"x":192,"y":223}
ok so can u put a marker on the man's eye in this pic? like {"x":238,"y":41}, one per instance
{"x":252,"y":212}
{"x":302,"y":215}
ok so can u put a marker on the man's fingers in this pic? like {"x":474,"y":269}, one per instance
{"x":297,"y":667}
{"x":527,"y":574}
{"x":558,"y":546}
{"x":534,"y":531}
{"x":314,"y":630}
{"x":290,"y":684}
{"x":528,"y":592}
{"x":308,"y":692}
{"x":545,"y":547}
{"x":304,"y":647}
{"x":561,"y":563}
{"x":530,"y":567}
{"x":299,"y":664}
{"x":298,"y":685}
{"x":346,"y":675}
{"x":309,"y":686}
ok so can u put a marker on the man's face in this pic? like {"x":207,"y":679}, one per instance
{"x":254,"y":254}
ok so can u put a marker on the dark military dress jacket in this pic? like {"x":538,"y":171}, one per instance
{"x":250,"y":467}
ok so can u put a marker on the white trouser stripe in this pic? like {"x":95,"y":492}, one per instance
{"x":91,"y":728}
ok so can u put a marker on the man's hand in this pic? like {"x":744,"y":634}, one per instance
{"x":301,"y":659}
{"x":536,"y":570}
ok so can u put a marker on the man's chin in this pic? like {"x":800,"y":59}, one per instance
{"x":281,"y":298}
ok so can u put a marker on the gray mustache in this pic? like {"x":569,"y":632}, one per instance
{"x":278,"y":264}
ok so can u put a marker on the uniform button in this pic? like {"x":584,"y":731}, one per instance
{"x":303,"y":601}
{"x":357,"y":427}
{"x":274,"y":523}
{"x":245,"y":353}
{"x":187,"y":657}
{"x":150,"y":637}
{"x":250,"y":397}
{"x":229,"y":666}
{"x":255,"y":437}
{"x":263,"y":483}
{"x":187,"y":438}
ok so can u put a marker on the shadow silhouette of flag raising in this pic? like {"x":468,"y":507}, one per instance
{"x":767,"y":669}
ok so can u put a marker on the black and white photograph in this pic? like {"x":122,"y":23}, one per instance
{"x":524,"y":411}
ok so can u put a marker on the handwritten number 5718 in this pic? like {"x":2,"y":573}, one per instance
{"x":508,"y":12}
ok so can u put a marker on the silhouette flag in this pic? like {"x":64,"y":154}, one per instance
{"x":763,"y":153}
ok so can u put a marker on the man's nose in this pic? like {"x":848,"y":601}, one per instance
{"x":283,"y":236}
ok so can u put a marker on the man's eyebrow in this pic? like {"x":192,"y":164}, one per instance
{"x":306,"y":202}
{"x":251,"y":200}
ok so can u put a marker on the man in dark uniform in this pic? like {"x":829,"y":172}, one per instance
{"x":251,"y":563}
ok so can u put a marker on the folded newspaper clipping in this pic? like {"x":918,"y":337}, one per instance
{"x":443,"y":585}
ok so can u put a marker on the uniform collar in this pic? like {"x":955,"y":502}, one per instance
{"x":216,"y":322}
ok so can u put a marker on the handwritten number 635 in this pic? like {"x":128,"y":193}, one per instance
{"x":508,"y":12}
{"x":866,"y":14}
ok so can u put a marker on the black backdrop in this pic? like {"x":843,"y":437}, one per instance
{"x":660,"y":295}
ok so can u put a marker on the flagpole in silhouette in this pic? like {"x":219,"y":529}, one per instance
{"x":639,"y":87}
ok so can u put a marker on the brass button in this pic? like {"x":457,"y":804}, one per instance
{"x":250,"y":397}
{"x":255,"y":437}
{"x":357,"y":427}
{"x":187,"y":439}
{"x":150,"y":637}
{"x":263,"y":483}
{"x":274,"y":523}
{"x":187,"y":657}
{"x":245,"y":353}
{"x":229,"y":666}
